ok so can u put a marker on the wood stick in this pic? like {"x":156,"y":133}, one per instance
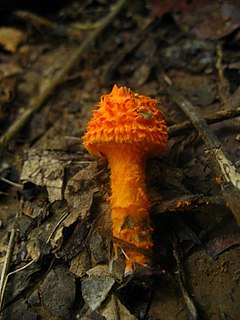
{"x":6,"y":264}
{"x":230,"y":175}
{"x":222,"y":115}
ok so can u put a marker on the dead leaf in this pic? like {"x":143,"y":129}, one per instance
{"x":222,"y":243}
{"x":9,"y":69}
{"x":96,"y":286}
{"x":114,"y":309}
{"x":213,"y":19}
{"x":80,"y":264}
{"x":206,"y":18}
{"x":79,"y":193}
{"x":10,"y":38}
{"x":20,"y":309}
{"x":33,"y":249}
{"x":58,"y":292}
{"x":79,"y":208}
{"x":46,"y":170}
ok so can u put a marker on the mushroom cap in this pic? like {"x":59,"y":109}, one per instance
{"x":125,"y":117}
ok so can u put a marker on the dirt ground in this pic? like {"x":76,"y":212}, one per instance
{"x":56,"y":60}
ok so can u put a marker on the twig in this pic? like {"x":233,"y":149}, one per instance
{"x":11,"y":244}
{"x":57,"y":225}
{"x":14,"y":184}
{"x":115,"y":307}
{"x":231,"y":177}
{"x":10,"y":274}
{"x":192,"y":311}
{"x":34,"y":19}
{"x":39,"y":102}
{"x":223,"y":85}
{"x":177,"y":129}
{"x":6,"y":265}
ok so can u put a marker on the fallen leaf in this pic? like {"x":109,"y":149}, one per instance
{"x":222,"y":243}
{"x":96,"y":286}
{"x":9,"y":69}
{"x":10,"y":38}
{"x":80,"y":264}
{"x":46,"y":170}
{"x":33,"y":249}
{"x":114,"y":309}
{"x":58,"y":292}
{"x":206,"y":18}
{"x":212,"y":20}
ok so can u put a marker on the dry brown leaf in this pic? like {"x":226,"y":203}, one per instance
{"x":114,"y":309}
{"x":10,"y":38}
{"x":33,"y":249}
{"x":9,"y":69}
{"x":80,"y":264}
{"x":44,"y":169}
{"x":96,"y":286}
{"x":208,"y":19}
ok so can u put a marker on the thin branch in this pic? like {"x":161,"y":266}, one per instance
{"x":8,"y":257}
{"x":191,"y":308}
{"x":57,"y":225}
{"x":223,"y":85}
{"x":231,"y":177}
{"x":10,"y":274}
{"x":222,"y":115}
{"x":14,"y":184}
{"x":40,"y":101}
{"x":6,"y":265}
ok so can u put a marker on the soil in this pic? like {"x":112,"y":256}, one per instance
{"x":55,"y":214}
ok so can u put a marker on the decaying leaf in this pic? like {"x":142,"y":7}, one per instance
{"x":19,"y":310}
{"x":45,"y":169}
{"x":10,"y":38}
{"x":8,"y":70}
{"x":79,"y":193}
{"x":20,"y":281}
{"x":96,"y":286}
{"x":220,"y":244}
{"x":79,"y":209}
{"x":80,"y":264}
{"x":208,"y":19}
{"x":213,"y":19}
{"x":58,"y":292}
{"x":33,"y":249}
{"x":114,"y":309}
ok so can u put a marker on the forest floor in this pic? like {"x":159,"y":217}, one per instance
{"x":55,"y":231}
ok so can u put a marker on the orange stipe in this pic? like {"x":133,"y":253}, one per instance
{"x":127,"y":128}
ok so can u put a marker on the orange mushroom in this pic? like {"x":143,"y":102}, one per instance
{"x":127,"y":129}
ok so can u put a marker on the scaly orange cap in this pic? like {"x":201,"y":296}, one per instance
{"x":127,"y":117}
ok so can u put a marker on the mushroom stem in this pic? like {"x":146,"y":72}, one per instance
{"x":129,"y":201}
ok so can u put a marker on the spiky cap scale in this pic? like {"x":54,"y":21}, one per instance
{"x":127,"y":117}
